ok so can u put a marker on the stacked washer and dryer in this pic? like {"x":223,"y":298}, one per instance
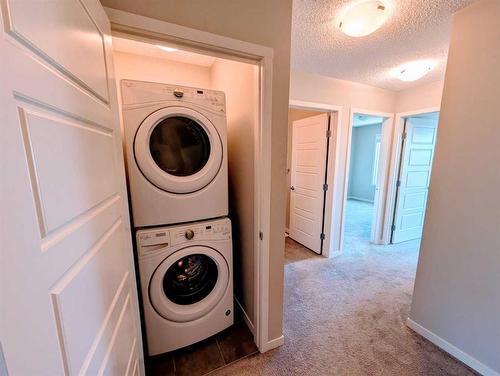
{"x":176,"y":147}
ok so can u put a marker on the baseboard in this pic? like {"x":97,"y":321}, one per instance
{"x":272,"y":344}
{"x":451,"y":349}
{"x":359,"y":199}
{"x":247,"y":320}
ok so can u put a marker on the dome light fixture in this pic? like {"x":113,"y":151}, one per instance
{"x":364,"y":17}
{"x":414,"y":71}
{"x":166,"y":49}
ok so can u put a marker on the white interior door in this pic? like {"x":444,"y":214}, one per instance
{"x":414,"y":177}
{"x":309,"y":158}
{"x":68,"y":296}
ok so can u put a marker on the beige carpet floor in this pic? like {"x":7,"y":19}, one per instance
{"x":346,"y":316}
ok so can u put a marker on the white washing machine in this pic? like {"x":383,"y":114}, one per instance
{"x":176,"y":147}
{"x":186,"y":276}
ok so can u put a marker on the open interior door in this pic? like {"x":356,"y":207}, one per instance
{"x":68,"y":295}
{"x":308,"y":174}
{"x":414,"y":177}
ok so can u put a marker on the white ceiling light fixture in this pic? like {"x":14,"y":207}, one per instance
{"x":414,"y":70}
{"x":364,"y":17}
{"x":167,"y":49}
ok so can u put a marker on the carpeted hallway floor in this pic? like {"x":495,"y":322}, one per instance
{"x":346,"y":316}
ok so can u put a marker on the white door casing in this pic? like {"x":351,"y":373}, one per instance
{"x":414,"y":178}
{"x":309,"y":159}
{"x":68,"y":295}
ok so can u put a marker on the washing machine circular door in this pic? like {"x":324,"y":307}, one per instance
{"x":178,"y":150}
{"x":189,"y":283}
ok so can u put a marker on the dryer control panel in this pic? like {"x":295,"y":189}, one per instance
{"x":138,"y":92}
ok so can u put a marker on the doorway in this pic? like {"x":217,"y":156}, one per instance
{"x":149,"y":60}
{"x":312,"y":139}
{"x":414,"y":172}
{"x":362,"y":205}
{"x":363,"y":177}
{"x":307,"y":176}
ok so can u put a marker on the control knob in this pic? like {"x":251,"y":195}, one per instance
{"x":189,"y":234}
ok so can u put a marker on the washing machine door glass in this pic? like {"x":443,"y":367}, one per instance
{"x":190,"y":279}
{"x":179,"y":146}
{"x":178,"y":150}
{"x":189,"y":283}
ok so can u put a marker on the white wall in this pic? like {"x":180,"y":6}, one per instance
{"x":419,"y":97}
{"x":239,"y":81}
{"x":456,"y":302}
{"x":144,"y":68}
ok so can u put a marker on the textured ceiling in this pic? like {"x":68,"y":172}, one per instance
{"x":416,"y":30}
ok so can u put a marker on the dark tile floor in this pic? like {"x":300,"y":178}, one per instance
{"x":234,"y":343}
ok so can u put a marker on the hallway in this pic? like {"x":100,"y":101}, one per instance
{"x":346,"y":316}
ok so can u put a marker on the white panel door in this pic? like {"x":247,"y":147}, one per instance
{"x":309,"y":154}
{"x":68,"y":296}
{"x":414,"y":177}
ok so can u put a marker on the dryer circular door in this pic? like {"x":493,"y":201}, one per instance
{"x":178,"y":150}
{"x":189,"y":283}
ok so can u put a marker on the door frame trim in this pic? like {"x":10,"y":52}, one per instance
{"x":329,"y":248}
{"x":385,"y":147}
{"x":392,"y":178}
{"x":144,"y":28}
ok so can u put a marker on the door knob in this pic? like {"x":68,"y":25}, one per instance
{"x":292,"y":188}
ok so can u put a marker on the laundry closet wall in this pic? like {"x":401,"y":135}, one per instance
{"x":145,"y":68}
{"x":240,"y":83}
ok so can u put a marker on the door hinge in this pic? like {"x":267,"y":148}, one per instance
{"x":322,"y":236}
{"x":325,"y":187}
{"x":393,"y":227}
{"x":261,"y":235}
{"x":328,"y":133}
{"x":404,"y":135}
{"x":398,"y":183}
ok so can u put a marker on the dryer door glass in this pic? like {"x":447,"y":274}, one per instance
{"x":179,"y":146}
{"x":190,"y":279}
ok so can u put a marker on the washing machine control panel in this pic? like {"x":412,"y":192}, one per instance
{"x":153,"y":237}
{"x":209,"y":231}
{"x":152,"y":240}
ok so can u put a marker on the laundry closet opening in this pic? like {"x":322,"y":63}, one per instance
{"x":205,"y":75}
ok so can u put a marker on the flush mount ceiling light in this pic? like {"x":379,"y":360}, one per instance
{"x":364,"y":17}
{"x":414,"y":70}
{"x":167,"y":49}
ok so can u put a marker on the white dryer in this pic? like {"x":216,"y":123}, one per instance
{"x":176,"y":147}
{"x":186,"y":276}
